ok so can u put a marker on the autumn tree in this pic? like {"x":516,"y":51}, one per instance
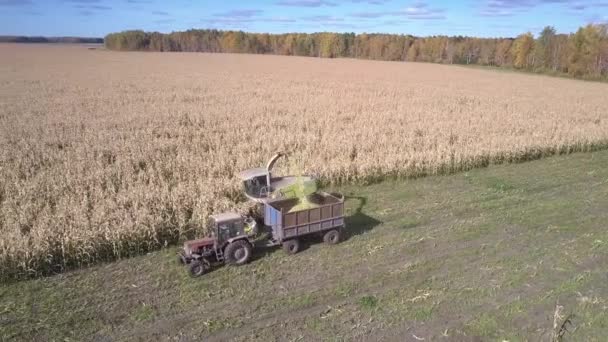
{"x":522,"y":50}
{"x":588,"y":51}
{"x":544,"y":48}
{"x":487,"y":51}
{"x":327,"y":45}
{"x":395,"y":48}
{"x":413,"y":51}
{"x":502,"y":53}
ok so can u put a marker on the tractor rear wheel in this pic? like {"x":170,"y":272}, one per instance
{"x":238,"y":253}
{"x":332,"y":237}
{"x":199,"y":267}
{"x":291,"y":246}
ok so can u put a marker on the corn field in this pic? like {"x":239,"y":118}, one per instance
{"x":106,"y":154}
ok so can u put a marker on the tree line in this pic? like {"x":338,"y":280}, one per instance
{"x":582,"y":54}
{"x":58,"y":40}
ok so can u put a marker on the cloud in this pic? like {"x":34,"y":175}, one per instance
{"x":240,"y":13}
{"x":84,"y":1}
{"x":279,"y":20}
{"x":512,"y":4}
{"x":581,"y":6}
{"x":88,"y":8}
{"x":164,"y":21}
{"x":504,"y":8}
{"x":421,"y":11}
{"x":416,"y":11}
{"x":333,"y":22}
{"x":371,"y":2}
{"x":323,"y":19}
{"x":306,"y":3}
{"x":369,"y":15}
{"x":492,"y":12}
{"x":348,"y":26}
{"x":162,"y":13}
{"x":396,"y":22}
{"x":16,"y":3}
{"x":598,"y":19}
{"x":229,"y":21}
{"x":244,"y":18}
{"x":94,"y":7}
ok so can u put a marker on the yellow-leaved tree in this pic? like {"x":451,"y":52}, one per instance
{"x":522,"y":51}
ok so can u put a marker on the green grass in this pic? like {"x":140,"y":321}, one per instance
{"x":345,"y":290}
{"x":485,"y":254}
{"x":368,"y":302}
{"x":143,"y":313}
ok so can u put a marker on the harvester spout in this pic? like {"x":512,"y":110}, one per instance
{"x":273,"y":160}
{"x":270,"y":165}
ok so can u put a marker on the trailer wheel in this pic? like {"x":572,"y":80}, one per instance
{"x":332,"y":237}
{"x":291,"y":246}
{"x":238,"y":253}
{"x":199,"y":267}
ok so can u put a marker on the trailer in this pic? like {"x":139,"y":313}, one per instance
{"x":323,"y":217}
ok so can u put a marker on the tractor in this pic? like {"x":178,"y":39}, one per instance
{"x":231,"y":242}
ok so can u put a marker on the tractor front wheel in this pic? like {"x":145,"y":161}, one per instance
{"x":238,"y":253}
{"x":199,"y":267}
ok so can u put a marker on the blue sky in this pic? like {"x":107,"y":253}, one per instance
{"x":483,"y":18}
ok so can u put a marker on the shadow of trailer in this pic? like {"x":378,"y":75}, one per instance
{"x":288,"y":224}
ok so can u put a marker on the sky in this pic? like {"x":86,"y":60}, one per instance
{"x":480,"y":18}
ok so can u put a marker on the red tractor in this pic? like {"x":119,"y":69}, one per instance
{"x":230,"y":242}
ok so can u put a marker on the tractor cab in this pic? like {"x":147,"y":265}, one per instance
{"x":227,"y":226}
{"x":260,"y":185}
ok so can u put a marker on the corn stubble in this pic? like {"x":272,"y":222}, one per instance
{"x":106,"y":155}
